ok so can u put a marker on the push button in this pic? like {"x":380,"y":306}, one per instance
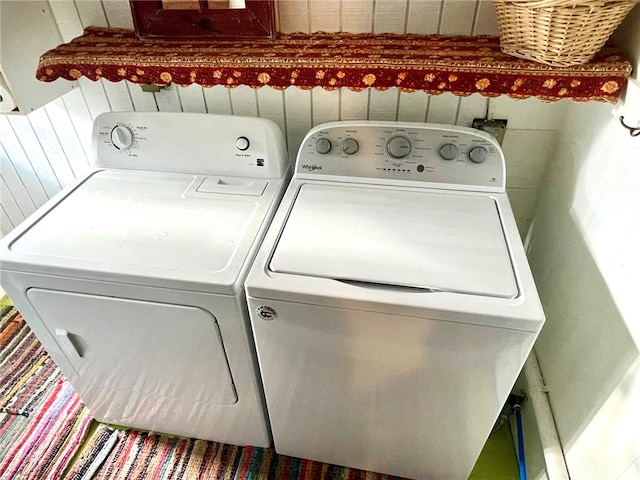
{"x":242,"y":143}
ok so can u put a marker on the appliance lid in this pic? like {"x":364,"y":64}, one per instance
{"x":148,"y":224}
{"x":441,"y":242}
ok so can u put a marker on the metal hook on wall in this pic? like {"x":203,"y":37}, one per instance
{"x":633,"y":131}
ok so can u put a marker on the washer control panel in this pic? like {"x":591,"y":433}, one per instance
{"x":189,"y":143}
{"x":391,"y":152}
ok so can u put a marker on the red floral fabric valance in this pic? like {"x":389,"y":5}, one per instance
{"x":434,"y":64}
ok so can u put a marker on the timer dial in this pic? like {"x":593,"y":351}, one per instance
{"x":398,"y":147}
{"x":121,"y":137}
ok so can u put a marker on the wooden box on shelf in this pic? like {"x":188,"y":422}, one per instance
{"x":185,"y":19}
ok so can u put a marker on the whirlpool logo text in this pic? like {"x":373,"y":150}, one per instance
{"x":311,"y":168}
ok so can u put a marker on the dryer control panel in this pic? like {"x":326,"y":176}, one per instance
{"x":450,"y":156}
{"x":189,"y":143}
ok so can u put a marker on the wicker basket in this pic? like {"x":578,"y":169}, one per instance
{"x":558,"y":32}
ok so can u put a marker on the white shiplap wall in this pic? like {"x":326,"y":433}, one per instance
{"x":45,"y":150}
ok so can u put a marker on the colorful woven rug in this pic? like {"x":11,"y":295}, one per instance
{"x":42,"y":420}
{"x":113,"y":454}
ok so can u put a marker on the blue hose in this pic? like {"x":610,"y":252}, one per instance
{"x":521,"y":463}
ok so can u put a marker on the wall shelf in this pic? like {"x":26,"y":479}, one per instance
{"x":434,"y":64}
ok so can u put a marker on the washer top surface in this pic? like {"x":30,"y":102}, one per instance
{"x":431,"y":240}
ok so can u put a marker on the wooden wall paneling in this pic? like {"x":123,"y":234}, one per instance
{"x":15,"y":153}
{"x":67,"y":19}
{"x":168,"y":100}
{"x":32,"y":154}
{"x":325,"y":105}
{"x":457,"y":17}
{"x":51,"y":146}
{"x":324,"y":16}
{"x":5,"y":223}
{"x":118,"y":96}
{"x":95,"y":96}
{"x":91,"y":13}
{"x":271,"y":106}
{"x":473,"y":106}
{"x":71,"y":17}
{"x":413,"y":107}
{"x":28,"y":29}
{"x":80,"y":118}
{"x":244,"y":101}
{"x":67,"y":136}
{"x":357,"y":16}
{"x":218,"y":100}
{"x":15,"y":186}
{"x":192,"y":99}
{"x":142,"y":101}
{"x":354,"y":105}
{"x":390,"y":16}
{"x":486,"y":22}
{"x":298,"y":113}
{"x":118,"y":13}
{"x":424,"y":16}
{"x":293,"y":16}
{"x":383,"y":104}
{"x":443,"y":108}
{"x":12,"y":216}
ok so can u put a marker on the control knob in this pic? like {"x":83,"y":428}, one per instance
{"x":478,"y":154}
{"x":350,"y":146}
{"x":121,"y":137}
{"x":323,"y":145}
{"x":398,"y":147}
{"x":448,"y":151}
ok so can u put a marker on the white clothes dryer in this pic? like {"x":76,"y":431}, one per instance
{"x":391,"y":300}
{"x":132,"y":278}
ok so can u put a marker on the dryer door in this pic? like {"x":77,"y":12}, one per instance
{"x":142,"y":364}
{"x":431,"y":240}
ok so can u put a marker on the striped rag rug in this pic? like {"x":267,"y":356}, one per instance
{"x":113,"y":454}
{"x":42,"y":420}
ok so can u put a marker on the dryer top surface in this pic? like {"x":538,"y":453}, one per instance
{"x":165,"y":227}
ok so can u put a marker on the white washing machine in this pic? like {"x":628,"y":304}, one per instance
{"x":132,"y":278}
{"x":391,"y":300}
